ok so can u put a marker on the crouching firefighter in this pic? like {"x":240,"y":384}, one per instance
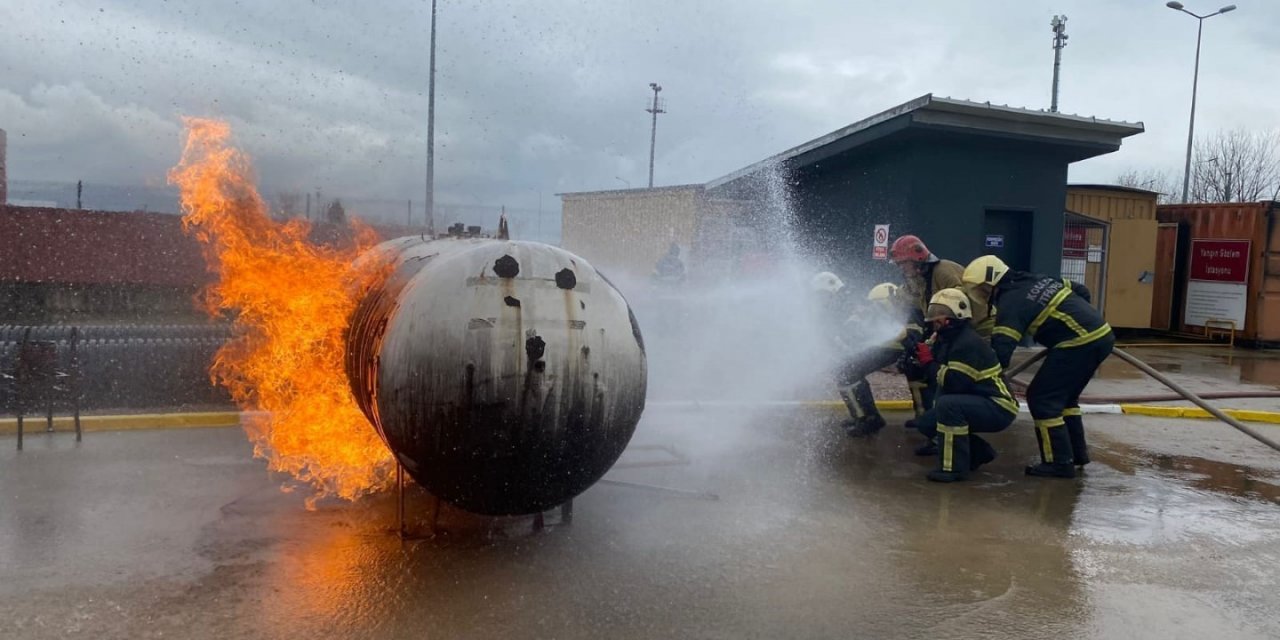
{"x":1056,"y":313}
{"x":971,"y":394}
{"x":852,"y":378}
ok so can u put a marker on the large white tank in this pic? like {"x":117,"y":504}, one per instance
{"x":507,"y":377}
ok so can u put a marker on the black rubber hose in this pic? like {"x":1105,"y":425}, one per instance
{"x":1145,"y":368}
{"x":1177,"y":388}
{"x":1019,"y":368}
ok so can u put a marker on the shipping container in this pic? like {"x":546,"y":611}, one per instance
{"x":1226,"y":267}
{"x":1123,"y":280}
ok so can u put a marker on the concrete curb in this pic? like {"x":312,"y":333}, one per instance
{"x":36,"y":424}
{"x":1247,"y":415}
{"x":130,"y":422}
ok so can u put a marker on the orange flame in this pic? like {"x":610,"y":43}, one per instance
{"x":290,"y":300}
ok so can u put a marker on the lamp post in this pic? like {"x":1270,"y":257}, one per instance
{"x":431,"y":130}
{"x":1195,"y":81}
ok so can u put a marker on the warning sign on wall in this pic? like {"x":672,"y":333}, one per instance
{"x":880,"y":249}
{"x":1217,"y":282}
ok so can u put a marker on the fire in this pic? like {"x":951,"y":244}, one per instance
{"x":290,"y":299}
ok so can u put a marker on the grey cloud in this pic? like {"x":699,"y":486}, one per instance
{"x":539,"y":97}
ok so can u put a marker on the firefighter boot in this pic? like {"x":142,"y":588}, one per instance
{"x":918,"y":389}
{"x":1055,"y":450}
{"x":980,"y":452}
{"x":1075,"y":430}
{"x":953,"y":455}
{"x":929,"y":448}
{"x":869,"y":420}
{"x":846,"y":394}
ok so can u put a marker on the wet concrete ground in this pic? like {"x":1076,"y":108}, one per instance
{"x":1174,"y":533}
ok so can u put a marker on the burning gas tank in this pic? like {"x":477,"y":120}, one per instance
{"x":507,"y":377}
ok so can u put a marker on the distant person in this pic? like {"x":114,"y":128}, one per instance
{"x":1056,"y":313}
{"x":925,"y":274}
{"x":972,"y":396}
{"x":670,"y":268}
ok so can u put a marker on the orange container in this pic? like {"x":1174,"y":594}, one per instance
{"x":1255,"y":222}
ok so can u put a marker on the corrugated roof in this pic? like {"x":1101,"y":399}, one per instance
{"x":1112,"y":187}
{"x":978,"y":117}
{"x":72,"y":246}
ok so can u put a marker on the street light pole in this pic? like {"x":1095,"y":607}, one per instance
{"x":431,"y":130}
{"x":653,"y":132}
{"x":1195,"y":83}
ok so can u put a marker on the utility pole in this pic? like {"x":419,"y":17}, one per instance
{"x":653,"y":133}
{"x":1195,"y":84}
{"x":431,"y":131}
{"x":1059,"y":24}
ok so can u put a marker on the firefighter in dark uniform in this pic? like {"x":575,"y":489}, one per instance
{"x":925,"y":274}
{"x":972,"y":396}
{"x":1056,"y":313}
{"x":852,"y":378}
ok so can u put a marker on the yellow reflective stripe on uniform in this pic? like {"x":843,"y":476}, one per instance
{"x":1007,"y":404}
{"x":1005,"y":400}
{"x":1048,"y":309}
{"x":978,"y":376}
{"x":1008,"y":332}
{"x":1043,"y":426}
{"x":1086,"y":338}
{"x":917,"y":397}
{"x":1072,"y":411}
{"x":1069,"y":321}
{"x":948,"y":442}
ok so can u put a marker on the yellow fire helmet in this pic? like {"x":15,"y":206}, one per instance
{"x":953,"y":299}
{"x":984,"y":270}
{"x":883,"y":292}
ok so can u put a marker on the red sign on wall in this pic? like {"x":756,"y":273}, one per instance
{"x":1220,"y":261}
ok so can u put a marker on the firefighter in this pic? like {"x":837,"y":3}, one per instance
{"x":1056,"y":313}
{"x":972,"y":396}
{"x":925,"y":273}
{"x":851,"y":380}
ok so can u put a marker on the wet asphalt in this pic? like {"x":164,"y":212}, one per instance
{"x":768,"y":524}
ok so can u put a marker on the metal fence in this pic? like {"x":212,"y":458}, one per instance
{"x":111,"y":366}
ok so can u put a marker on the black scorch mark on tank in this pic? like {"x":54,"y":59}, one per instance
{"x":511,"y":302}
{"x":506,"y":267}
{"x":566,"y":279}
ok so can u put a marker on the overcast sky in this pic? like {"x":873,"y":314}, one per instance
{"x":544,"y":96}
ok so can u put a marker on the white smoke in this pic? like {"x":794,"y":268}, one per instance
{"x":754,"y":336}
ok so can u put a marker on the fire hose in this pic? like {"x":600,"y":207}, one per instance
{"x":1177,"y":388}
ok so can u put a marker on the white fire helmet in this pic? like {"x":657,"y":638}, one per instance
{"x":826,"y":281}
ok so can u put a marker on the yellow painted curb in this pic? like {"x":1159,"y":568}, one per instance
{"x":1247,"y":415}
{"x":36,"y":424}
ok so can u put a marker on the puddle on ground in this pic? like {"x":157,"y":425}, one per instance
{"x":1149,"y":498}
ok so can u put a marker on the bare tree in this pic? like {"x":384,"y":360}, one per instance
{"x":288,"y":204}
{"x":1236,"y":166}
{"x":1162,"y":182}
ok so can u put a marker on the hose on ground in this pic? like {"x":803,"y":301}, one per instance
{"x":1247,"y":430}
{"x":1169,"y":397}
{"x":1019,"y":368}
{"x":1182,"y":392}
